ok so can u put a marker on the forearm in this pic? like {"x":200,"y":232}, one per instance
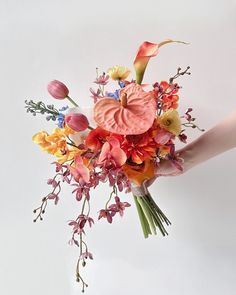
{"x":213,"y":142}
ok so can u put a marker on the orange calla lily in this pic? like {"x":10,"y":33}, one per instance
{"x":139,"y":173}
{"x":145,"y":52}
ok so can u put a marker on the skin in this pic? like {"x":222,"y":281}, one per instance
{"x":215,"y":141}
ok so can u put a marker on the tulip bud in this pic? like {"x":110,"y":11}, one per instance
{"x":57,"y":89}
{"x":77,"y":122}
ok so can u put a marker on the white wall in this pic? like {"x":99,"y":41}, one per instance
{"x":66,"y":40}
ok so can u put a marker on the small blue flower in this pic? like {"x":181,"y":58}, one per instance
{"x":114,"y":95}
{"x":121,"y":84}
{"x":63,"y":109}
{"x":60,"y":119}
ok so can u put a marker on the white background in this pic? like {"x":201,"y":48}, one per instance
{"x":66,"y":40}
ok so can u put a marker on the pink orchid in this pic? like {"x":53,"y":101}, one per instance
{"x":79,"y":170}
{"x":119,"y":206}
{"x":163,"y":136}
{"x":95,"y":95}
{"x":111,"y":151}
{"x":106,"y":213}
{"x":102,"y":80}
{"x":86,"y":255}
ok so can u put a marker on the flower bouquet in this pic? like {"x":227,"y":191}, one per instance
{"x":133,"y":128}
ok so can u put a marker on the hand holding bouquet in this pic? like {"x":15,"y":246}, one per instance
{"x":135,"y":128}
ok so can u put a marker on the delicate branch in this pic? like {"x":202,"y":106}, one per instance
{"x":179,"y":73}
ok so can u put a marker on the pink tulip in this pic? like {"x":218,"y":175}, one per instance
{"x":57,"y":89}
{"x":77,"y":122}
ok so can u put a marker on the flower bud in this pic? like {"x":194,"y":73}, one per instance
{"x":57,"y":89}
{"x":77,"y":122}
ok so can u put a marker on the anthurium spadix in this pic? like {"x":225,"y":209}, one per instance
{"x":145,"y":52}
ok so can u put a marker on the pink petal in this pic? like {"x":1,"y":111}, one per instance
{"x":119,"y":156}
{"x":84,"y":172}
{"x":162,"y":136}
{"x":78,"y":160}
{"x":104,"y":152}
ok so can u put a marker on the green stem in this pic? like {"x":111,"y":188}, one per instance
{"x":147,"y":214}
{"x":72,"y":101}
{"x":142,"y":217}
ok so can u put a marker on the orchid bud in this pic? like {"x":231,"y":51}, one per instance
{"x":77,"y":122}
{"x":57,"y":89}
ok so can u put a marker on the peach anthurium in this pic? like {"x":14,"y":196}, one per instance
{"x":145,"y":52}
{"x":112,"y":150}
{"x":79,"y":170}
{"x":134,"y":114}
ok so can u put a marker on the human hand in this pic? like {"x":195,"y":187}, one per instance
{"x":167,"y":168}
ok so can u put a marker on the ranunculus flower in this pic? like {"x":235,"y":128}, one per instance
{"x":77,"y":122}
{"x":170,"y":121}
{"x":57,"y":89}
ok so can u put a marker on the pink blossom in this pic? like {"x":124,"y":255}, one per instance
{"x":86,"y":255}
{"x":79,"y":170}
{"x":54,"y":197}
{"x":76,"y":227}
{"x":108,"y":214}
{"x":102,"y":80}
{"x":183,"y":137}
{"x":163,"y":136}
{"x":77,"y":122}
{"x":52,"y":182}
{"x":111,"y":151}
{"x":57,"y":89}
{"x":119,"y":206}
{"x":95,"y":95}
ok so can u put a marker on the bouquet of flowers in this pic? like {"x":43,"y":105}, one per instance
{"x":133,"y":128}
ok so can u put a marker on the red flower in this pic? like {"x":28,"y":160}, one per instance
{"x":96,"y":138}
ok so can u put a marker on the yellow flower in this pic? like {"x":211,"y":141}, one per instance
{"x":40,"y":139}
{"x":118,"y":73}
{"x":170,"y":120}
{"x":56,"y":144}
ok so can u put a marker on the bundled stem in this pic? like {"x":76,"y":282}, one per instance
{"x":150,"y":215}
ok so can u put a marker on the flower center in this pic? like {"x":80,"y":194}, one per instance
{"x":123,"y":99}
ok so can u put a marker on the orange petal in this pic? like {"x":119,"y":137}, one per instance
{"x":145,"y":52}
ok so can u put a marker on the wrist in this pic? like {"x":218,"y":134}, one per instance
{"x":187,"y":155}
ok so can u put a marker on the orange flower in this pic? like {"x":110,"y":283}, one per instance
{"x":139,"y":173}
{"x":139,"y":147}
{"x":170,"y":102}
